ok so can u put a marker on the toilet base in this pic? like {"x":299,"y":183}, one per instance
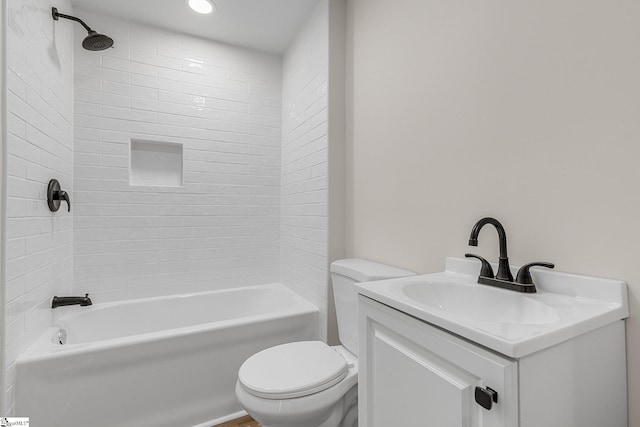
{"x":344,"y":414}
{"x":350,"y":411}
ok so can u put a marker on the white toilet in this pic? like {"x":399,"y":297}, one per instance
{"x":308,"y":383}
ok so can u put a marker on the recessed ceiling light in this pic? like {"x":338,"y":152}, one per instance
{"x":202,"y":6}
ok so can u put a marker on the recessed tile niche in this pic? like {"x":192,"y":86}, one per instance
{"x":155,"y":164}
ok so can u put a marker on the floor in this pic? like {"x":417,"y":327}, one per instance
{"x":240,"y":422}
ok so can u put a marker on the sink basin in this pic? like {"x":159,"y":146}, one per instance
{"x":512,"y":323}
{"x":476,"y":302}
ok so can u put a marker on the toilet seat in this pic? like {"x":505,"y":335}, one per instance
{"x":292,"y":370}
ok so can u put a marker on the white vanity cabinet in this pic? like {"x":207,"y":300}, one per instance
{"x":415,"y":374}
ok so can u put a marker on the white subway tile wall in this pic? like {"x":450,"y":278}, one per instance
{"x":39,"y":147}
{"x":304,"y":220}
{"x":221,"y":228}
{"x":252,"y":207}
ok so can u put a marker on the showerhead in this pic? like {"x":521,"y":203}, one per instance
{"x":93,"y":41}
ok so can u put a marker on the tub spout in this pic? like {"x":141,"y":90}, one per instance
{"x":61,"y":301}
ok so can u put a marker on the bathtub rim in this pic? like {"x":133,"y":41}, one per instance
{"x":45,"y":347}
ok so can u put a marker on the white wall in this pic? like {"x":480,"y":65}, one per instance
{"x":336,"y":149}
{"x":526,"y":111}
{"x":304,"y":175}
{"x":3,"y":159}
{"x":39,"y":147}
{"x":224,"y":105}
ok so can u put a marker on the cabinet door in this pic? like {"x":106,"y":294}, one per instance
{"x":414,"y":374}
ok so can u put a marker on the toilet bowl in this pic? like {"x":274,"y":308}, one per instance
{"x":308,"y":383}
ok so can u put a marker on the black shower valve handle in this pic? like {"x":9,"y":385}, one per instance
{"x":486,"y":270}
{"x":524,"y":275}
{"x":62,"y":195}
{"x":55,"y":196}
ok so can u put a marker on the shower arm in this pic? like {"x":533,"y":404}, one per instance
{"x":56,"y":15}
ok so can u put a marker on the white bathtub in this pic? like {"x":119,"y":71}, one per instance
{"x":168,"y":361}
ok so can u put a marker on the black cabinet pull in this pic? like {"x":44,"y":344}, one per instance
{"x":486,"y":397}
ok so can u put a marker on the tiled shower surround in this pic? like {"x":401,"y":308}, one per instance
{"x":252,"y":205}
{"x":39,"y":146}
{"x":223,"y":104}
{"x":304,"y":232}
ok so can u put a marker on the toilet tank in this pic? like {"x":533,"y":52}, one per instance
{"x":346,"y":272}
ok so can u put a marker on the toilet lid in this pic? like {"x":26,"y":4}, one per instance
{"x":292,"y":370}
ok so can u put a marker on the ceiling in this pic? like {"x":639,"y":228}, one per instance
{"x":265,"y":25}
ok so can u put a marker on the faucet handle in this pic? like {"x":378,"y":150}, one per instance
{"x":55,"y":196}
{"x":63,"y":195}
{"x":485,"y":270}
{"x":524,"y":275}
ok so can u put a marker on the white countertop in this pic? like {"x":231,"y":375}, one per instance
{"x":509,"y":322}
